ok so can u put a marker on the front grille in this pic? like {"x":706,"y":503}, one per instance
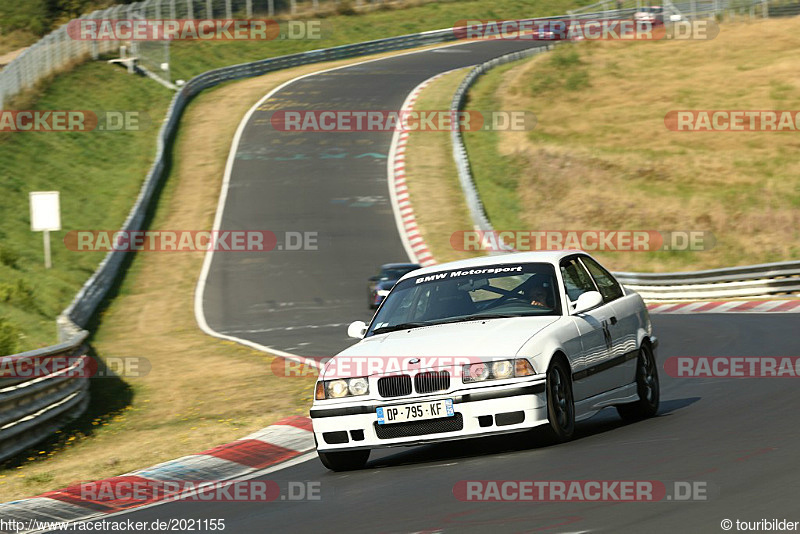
{"x":419,"y":428}
{"x":394,"y":386}
{"x":431,"y":381}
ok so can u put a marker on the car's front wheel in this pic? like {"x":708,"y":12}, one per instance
{"x":560,"y":403}
{"x":345,"y":460}
{"x":647,"y":387}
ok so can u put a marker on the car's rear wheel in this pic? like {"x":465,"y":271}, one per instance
{"x":345,"y":460}
{"x":560,"y":403}
{"x":647,"y":387}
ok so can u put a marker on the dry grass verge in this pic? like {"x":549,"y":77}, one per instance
{"x":601,"y":157}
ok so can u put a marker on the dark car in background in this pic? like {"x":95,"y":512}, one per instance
{"x":383,"y":282}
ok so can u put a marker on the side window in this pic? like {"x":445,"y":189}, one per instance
{"x":576,"y":279}
{"x":609,"y":288}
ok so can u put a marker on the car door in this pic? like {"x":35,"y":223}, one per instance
{"x":624,"y":327}
{"x":591,"y":374}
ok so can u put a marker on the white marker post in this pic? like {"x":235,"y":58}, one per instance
{"x":45,"y":217}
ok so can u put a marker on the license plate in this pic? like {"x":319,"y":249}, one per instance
{"x":418,"y":411}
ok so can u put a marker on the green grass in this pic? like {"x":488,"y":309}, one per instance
{"x":99,"y":174}
{"x":495,"y":175}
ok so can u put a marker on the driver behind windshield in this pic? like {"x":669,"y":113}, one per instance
{"x":539,"y":294}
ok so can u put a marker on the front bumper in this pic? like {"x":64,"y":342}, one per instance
{"x":478,"y":412}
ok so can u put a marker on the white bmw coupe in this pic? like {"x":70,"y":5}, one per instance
{"x":487,"y":346}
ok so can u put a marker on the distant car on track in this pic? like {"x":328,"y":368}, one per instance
{"x":379,"y":285}
{"x":650,"y":14}
{"x":486,"y":346}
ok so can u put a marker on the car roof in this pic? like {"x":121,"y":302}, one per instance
{"x":398,"y":265}
{"x":539,"y":256}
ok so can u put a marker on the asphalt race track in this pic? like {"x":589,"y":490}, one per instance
{"x":740,"y":437}
{"x":330,"y":183}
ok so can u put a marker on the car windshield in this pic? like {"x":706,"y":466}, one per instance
{"x":491,"y":292}
{"x":395,"y":273}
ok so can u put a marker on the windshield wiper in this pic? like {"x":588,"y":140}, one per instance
{"x":476,"y":317}
{"x":480,"y":317}
{"x":401,"y":326}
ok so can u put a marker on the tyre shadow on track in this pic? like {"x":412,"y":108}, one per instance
{"x":604,"y":421}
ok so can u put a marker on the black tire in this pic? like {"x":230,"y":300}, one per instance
{"x":560,"y":402}
{"x":345,"y":460}
{"x":647,"y":387}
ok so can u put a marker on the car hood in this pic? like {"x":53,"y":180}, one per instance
{"x":473,"y":339}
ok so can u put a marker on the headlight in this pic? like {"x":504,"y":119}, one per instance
{"x":358,"y":386}
{"x":475,"y":372}
{"x":503,"y":369}
{"x":337,"y":389}
{"x":382,"y":292}
{"x":478,"y":372}
{"x":341,"y":387}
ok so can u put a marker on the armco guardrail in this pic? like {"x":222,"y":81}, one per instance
{"x":40,"y":390}
{"x":791,"y":10}
{"x":768,"y":279}
{"x":476,"y":209}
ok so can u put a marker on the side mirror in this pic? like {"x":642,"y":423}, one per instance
{"x":587,"y":301}
{"x":374,"y":278}
{"x":357,"y":329}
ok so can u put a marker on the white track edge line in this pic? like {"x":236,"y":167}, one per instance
{"x":201,"y":281}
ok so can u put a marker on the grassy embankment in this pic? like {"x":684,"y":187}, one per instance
{"x":600,"y":156}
